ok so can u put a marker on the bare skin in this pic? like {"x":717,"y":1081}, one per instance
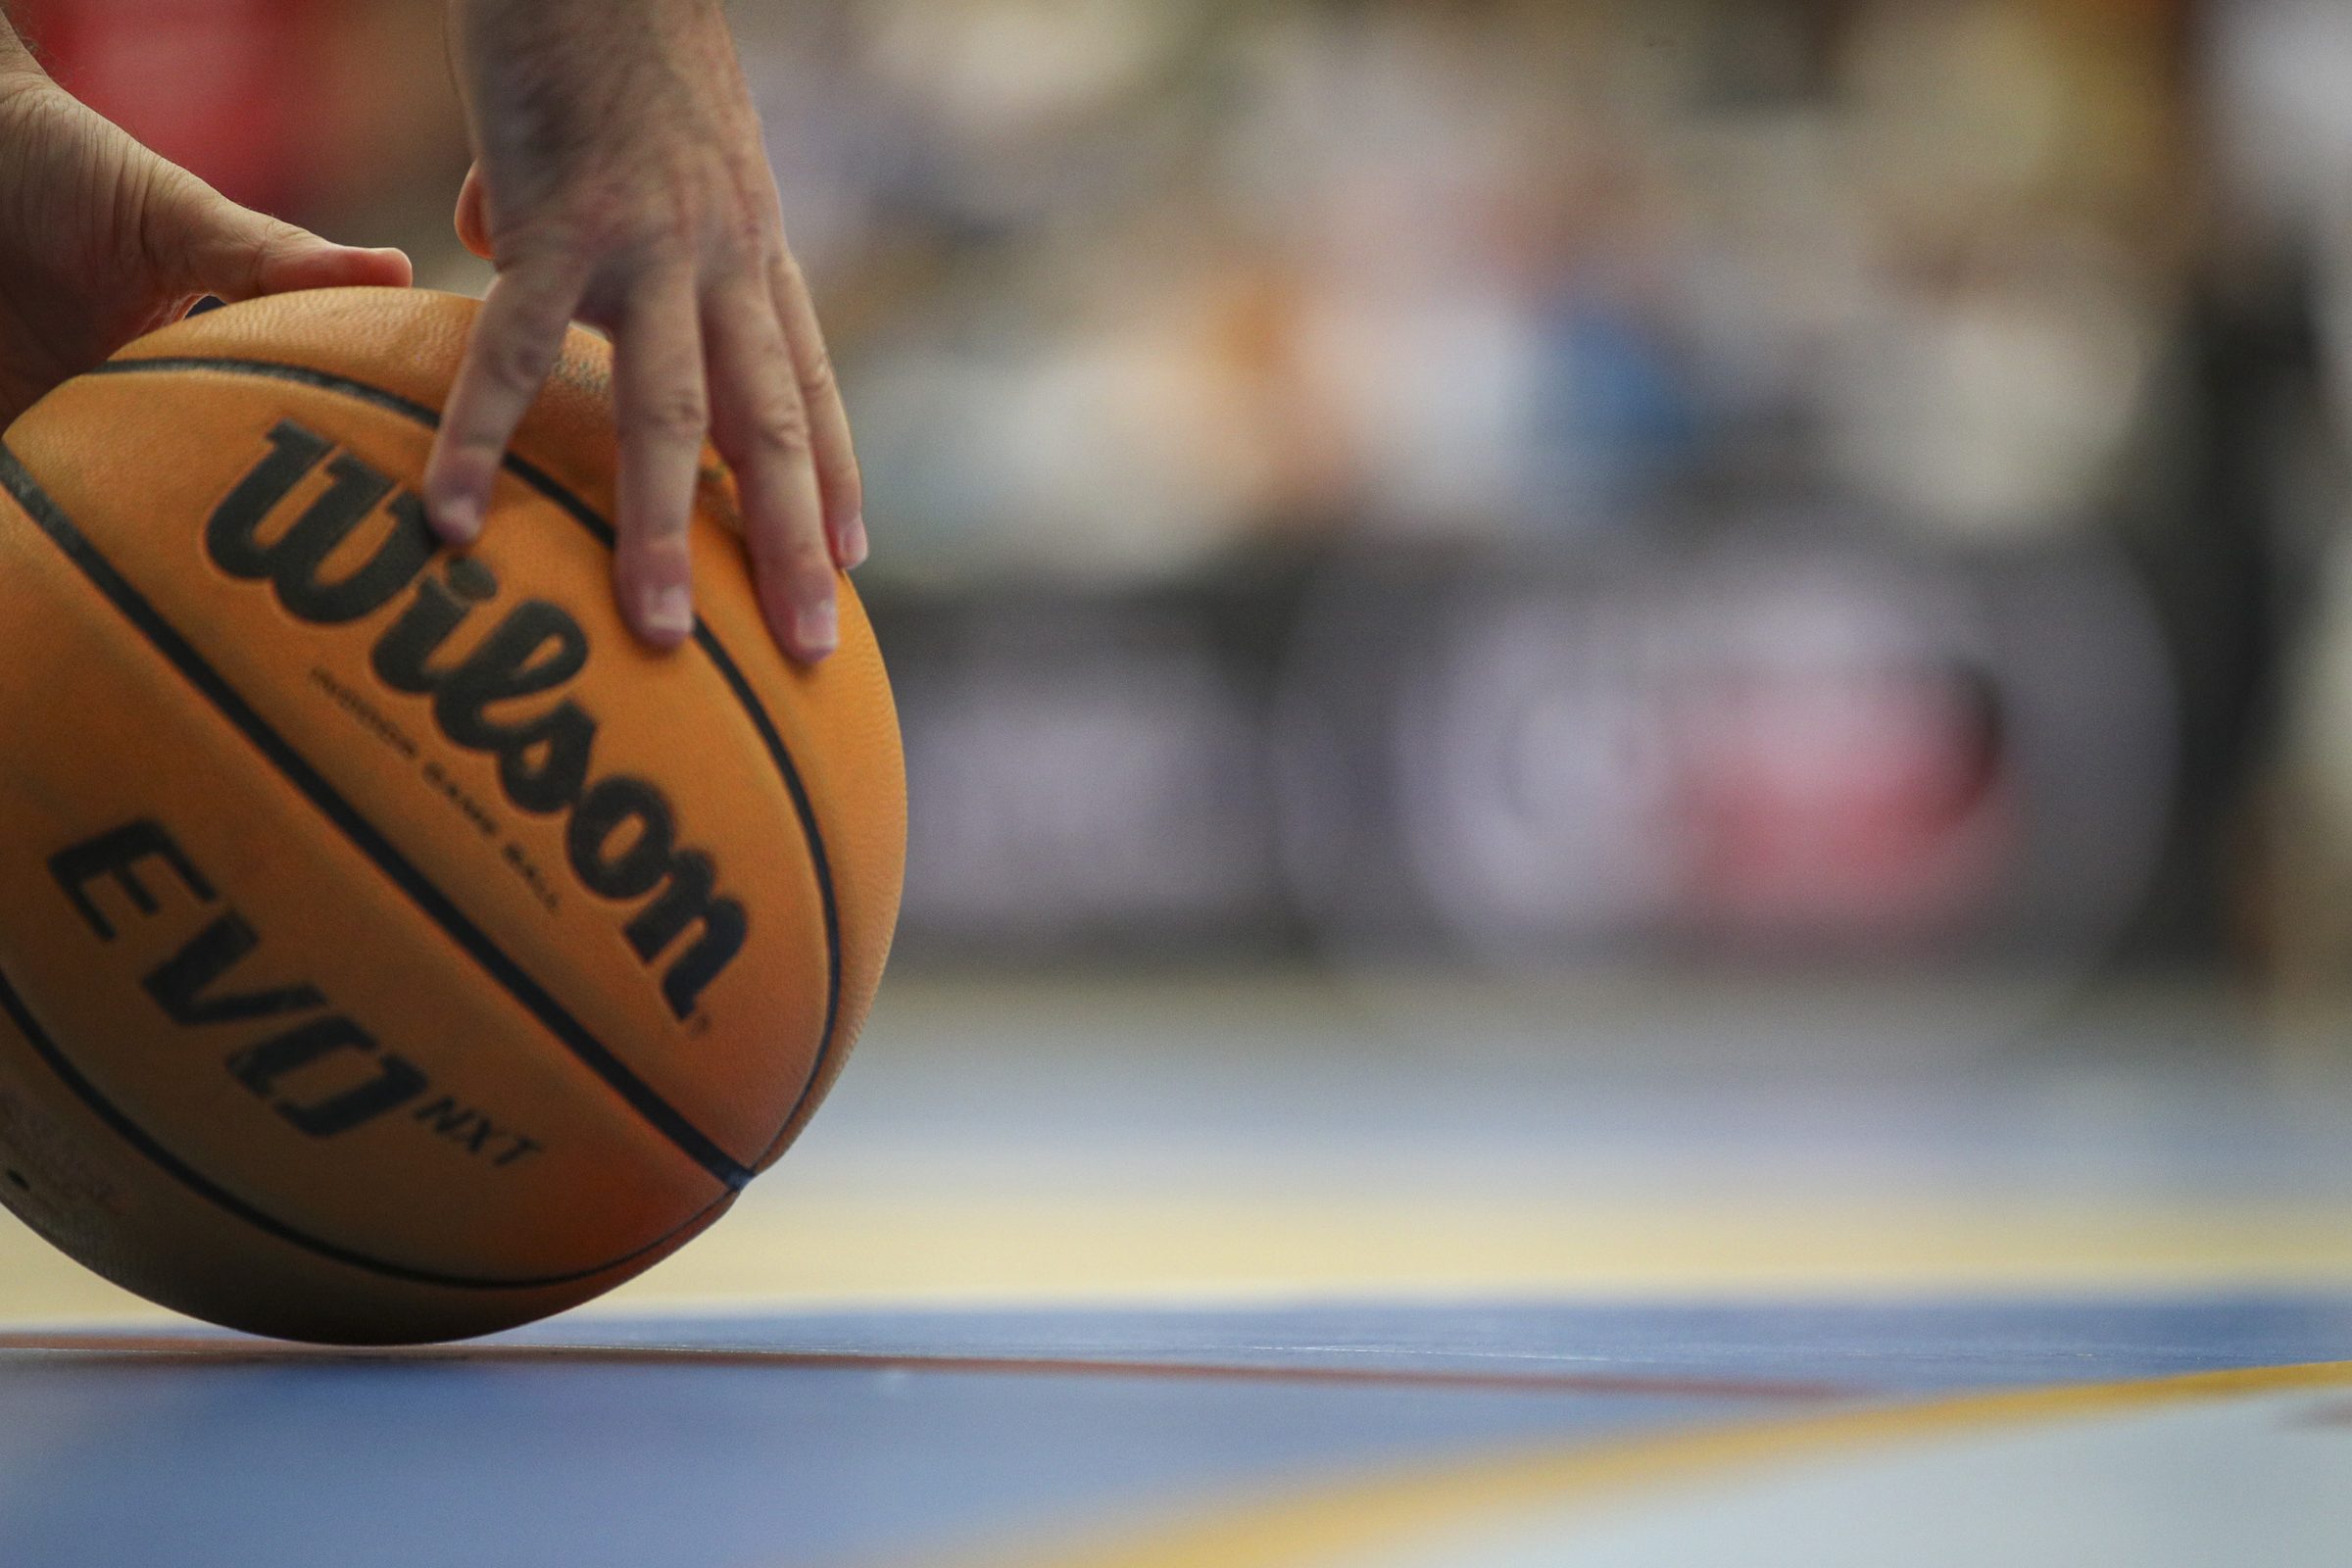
{"x":101,"y":240}
{"x":622,"y":181}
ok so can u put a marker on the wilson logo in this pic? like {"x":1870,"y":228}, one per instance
{"x":505,"y":698}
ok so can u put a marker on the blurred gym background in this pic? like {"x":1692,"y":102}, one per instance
{"x":1743,"y":490}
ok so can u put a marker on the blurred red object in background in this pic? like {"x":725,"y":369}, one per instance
{"x":223,"y":87}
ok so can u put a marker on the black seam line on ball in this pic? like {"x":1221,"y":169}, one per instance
{"x":437,"y":905}
{"x":195,"y":1181}
{"x":587,"y":518}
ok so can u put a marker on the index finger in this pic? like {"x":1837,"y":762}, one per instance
{"x":514,"y":345}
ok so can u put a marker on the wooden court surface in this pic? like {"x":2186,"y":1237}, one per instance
{"x":1269,"y":1271}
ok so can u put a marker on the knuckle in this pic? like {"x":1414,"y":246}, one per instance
{"x":606,"y":220}
{"x":808,"y":562}
{"x":780,"y":429}
{"x":784,"y":270}
{"x":243,"y":257}
{"x":271,"y":241}
{"x":250,"y":260}
{"x":656,"y":538}
{"x":512,"y":360}
{"x":793,"y":553}
{"x":630,"y":236}
{"x":815,"y":375}
{"x":679,"y":415}
{"x":743,"y":239}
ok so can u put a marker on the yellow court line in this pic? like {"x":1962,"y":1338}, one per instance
{"x":827,"y":1244}
{"x":1339,"y":1524}
{"x":1077,"y":1246}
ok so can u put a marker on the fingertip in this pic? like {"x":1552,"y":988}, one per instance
{"x":452,"y":504}
{"x":850,"y":545}
{"x":664,"y":614}
{"x":328,"y":265}
{"x":457,"y":519}
{"x":394,"y":267}
{"x":801,"y":612}
{"x":815,"y":629}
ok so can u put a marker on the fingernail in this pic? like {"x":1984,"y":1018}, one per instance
{"x":817,"y":627}
{"x":669,"y":612}
{"x":852,"y":544}
{"x":459,"y":520}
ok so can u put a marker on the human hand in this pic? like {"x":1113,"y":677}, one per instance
{"x":621,"y":182}
{"x":102,"y":241}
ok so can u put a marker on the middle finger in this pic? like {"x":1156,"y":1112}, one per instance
{"x":664,"y":417}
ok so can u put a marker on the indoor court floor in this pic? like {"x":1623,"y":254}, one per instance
{"x":1279,"y":1272}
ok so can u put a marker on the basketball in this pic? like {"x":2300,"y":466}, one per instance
{"x":395,"y":948}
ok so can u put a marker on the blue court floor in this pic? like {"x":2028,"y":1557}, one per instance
{"x":1283,"y":1274}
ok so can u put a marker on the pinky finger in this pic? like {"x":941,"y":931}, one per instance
{"x":762,"y":431}
{"x":835,"y":454}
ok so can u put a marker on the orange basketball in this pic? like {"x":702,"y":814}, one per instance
{"x":395,"y":948}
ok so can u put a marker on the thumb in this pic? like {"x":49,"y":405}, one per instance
{"x":474,"y":214}
{"x":238,"y":254}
